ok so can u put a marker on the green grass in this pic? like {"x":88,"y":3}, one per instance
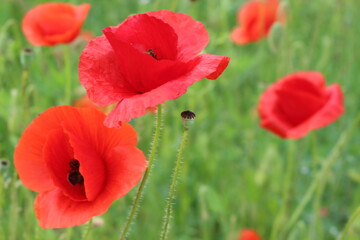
{"x":234,"y":172}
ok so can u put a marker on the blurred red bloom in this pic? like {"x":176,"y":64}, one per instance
{"x":146,"y":60}
{"x":298,"y":103}
{"x":76,"y":164}
{"x":84,"y":101}
{"x":255,"y":19}
{"x":86,"y":35}
{"x":49,"y":24}
{"x":249,"y":234}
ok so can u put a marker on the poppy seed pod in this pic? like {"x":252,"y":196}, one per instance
{"x":187,"y":118}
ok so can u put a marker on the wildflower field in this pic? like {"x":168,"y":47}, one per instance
{"x":272,"y":154}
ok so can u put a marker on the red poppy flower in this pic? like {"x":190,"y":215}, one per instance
{"x":76,"y":164}
{"x":255,"y":19}
{"x":298,"y":103}
{"x":249,"y":234}
{"x":146,"y":60}
{"x":49,"y":24}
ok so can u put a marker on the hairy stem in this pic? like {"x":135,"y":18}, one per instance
{"x":67,"y":67}
{"x":286,"y":191}
{"x":136,"y":202}
{"x":87,"y":230}
{"x":176,"y":172}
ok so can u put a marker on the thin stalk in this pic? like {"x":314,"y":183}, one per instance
{"x":176,"y":172}
{"x":87,"y":230}
{"x":24,"y":98}
{"x":136,"y":202}
{"x":321,"y":177}
{"x":349,"y":224}
{"x":14,"y":209}
{"x":315,"y":230}
{"x":174,"y":5}
{"x":286,"y":191}
{"x":69,"y":233}
{"x":68,"y":79}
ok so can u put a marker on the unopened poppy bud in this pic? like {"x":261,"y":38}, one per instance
{"x":4,"y":163}
{"x":275,"y":37}
{"x":98,"y":222}
{"x":187,"y":118}
{"x":26,"y":57}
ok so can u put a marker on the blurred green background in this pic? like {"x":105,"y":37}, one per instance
{"x":235,"y":175}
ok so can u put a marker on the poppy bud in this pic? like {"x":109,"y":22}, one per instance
{"x":26,"y":57}
{"x":187,"y":118}
{"x":275,"y":37}
{"x":4,"y":163}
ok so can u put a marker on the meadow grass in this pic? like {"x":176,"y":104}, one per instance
{"x":235,"y":175}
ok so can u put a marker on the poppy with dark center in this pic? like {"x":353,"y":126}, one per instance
{"x":146,"y":60}
{"x":76,"y":164}
{"x":54,"y":23}
{"x":298,"y":103}
{"x":256,"y":18}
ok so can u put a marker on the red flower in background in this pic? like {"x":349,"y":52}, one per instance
{"x":84,"y":102}
{"x":249,"y":234}
{"x":49,"y":24}
{"x":76,"y":164}
{"x":255,"y":19}
{"x":146,"y":60}
{"x":298,"y":103}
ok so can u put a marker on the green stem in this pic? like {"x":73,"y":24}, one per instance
{"x":24,"y":98}
{"x":68,"y":79}
{"x":14,"y":209}
{"x":174,"y":5}
{"x":87,"y":230}
{"x":349,"y":224}
{"x":315,"y":232}
{"x":68,"y":233}
{"x":321,"y":177}
{"x":286,"y":191}
{"x":135,"y":205}
{"x":168,"y":208}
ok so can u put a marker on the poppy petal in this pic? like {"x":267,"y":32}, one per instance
{"x":330,"y":112}
{"x":154,"y":72}
{"x":145,"y":32}
{"x":91,"y":165}
{"x":124,"y":170}
{"x":256,"y":19}
{"x":57,"y":154}
{"x":84,"y":132}
{"x":53,"y":23}
{"x":28,"y":155}
{"x":208,"y":66}
{"x":192,"y":35}
{"x":299,"y":103}
{"x":238,"y":36}
{"x":28,"y":160}
{"x":97,"y":73}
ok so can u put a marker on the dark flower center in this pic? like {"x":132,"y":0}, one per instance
{"x":75,"y":176}
{"x":152,"y":53}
